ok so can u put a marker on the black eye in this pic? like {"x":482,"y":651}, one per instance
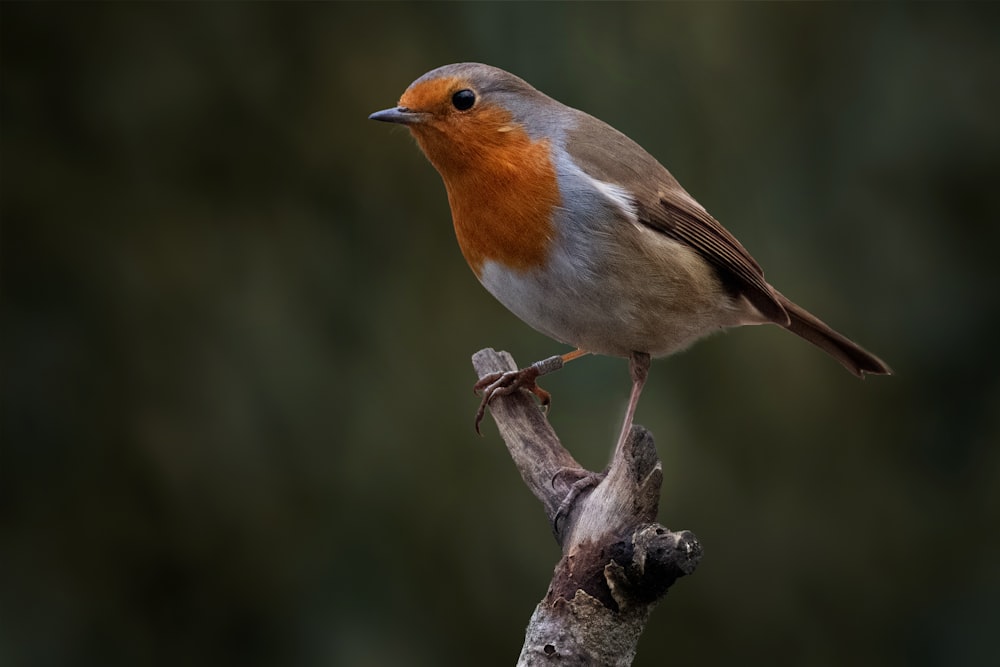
{"x":463,"y":99}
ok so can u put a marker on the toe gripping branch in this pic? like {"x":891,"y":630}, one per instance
{"x":617,"y":562}
{"x":504,"y":383}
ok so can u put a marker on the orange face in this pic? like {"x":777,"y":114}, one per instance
{"x":501,"y":185}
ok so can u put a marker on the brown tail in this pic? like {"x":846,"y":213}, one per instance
{"x":841,"y":348}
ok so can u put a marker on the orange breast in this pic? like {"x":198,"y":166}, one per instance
{"x":501,"y":186}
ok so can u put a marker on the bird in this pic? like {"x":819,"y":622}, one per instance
{"x":585,"y":236}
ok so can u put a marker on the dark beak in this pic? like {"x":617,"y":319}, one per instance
{"x":400,"y":115}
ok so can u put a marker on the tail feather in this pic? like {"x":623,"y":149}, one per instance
{"x":853,"y":357}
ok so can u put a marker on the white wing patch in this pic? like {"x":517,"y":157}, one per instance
{"x":619,"y":196}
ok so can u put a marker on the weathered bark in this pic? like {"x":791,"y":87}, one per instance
{"x":617,"y":562}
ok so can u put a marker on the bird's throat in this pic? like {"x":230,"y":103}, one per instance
{"x":502,"y":203}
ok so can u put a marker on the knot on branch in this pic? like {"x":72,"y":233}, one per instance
{"x":627,"y":573}
{"x":643,"y":568}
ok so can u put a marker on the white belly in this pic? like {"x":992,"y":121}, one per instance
{"x":636,"y":290}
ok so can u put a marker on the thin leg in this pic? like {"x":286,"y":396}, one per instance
{"x":638,"y":368}
{"x":575,"y":354}
{"x":506,"y":383}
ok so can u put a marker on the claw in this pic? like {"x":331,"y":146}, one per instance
{"x":510,"y":381}
{"x":544,"y":397}
{"x":586,"y":480}
{"x":506,"y":383}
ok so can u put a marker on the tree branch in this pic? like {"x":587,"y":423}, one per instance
{"x":617,"y":562}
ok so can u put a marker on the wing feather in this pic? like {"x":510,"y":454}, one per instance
{"x":606,"y":154}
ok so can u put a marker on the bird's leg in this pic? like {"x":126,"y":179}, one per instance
{"x":638,"y":368}
{"x":510,"y":381}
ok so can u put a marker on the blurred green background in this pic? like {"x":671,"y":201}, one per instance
{"x":237,"y":418}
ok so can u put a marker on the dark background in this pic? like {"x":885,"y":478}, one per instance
{"x":237,"y":419}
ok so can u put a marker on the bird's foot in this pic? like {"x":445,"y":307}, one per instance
{"x":502,"y":384}
{"x":585,"y":480}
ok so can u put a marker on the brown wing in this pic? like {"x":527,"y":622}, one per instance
{"x":663,"y":205}
{"x":681,"y":218}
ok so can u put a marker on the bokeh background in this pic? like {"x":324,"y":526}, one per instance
{"x":237,"y":418}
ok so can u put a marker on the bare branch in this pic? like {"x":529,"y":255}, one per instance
{"x":617,"y":562}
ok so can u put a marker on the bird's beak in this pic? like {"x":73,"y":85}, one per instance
{"x":400,"y":115}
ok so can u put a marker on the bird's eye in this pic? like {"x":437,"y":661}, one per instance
{"x":463,"y":99}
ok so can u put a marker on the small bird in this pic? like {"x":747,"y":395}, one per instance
{"x":583,"y":235}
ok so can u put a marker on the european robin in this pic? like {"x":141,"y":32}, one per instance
{"x":583,"y":234}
